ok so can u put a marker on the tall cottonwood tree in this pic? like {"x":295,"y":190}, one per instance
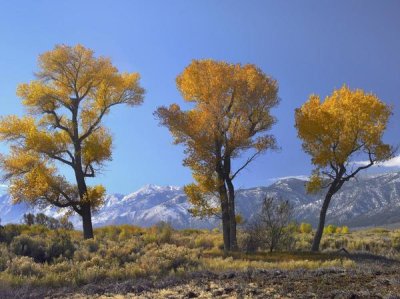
{"x":66,"y":104}
{"x":230,"y":116}
{"x":348,"y":124}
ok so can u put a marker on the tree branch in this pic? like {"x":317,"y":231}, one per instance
{"x":371,"y":162}
{"x":249,"y":160}
{"x":89,"y":167}
{"x":58,"y":122}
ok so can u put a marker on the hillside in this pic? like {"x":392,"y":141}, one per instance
{"x":367,"y":201}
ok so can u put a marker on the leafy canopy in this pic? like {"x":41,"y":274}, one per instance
{"x":347,"y":124}
{"x":65,"y":105}
{"x":230,"y":114}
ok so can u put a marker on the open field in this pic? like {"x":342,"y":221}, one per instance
{"x":160,"y":262}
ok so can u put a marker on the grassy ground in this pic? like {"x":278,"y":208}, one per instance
{"x":35,"y":258}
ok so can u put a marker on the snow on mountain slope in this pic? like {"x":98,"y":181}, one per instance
{"x":369,"y":200}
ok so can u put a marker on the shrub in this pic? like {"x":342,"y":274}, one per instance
{"x":330,"y":229}
{"x":162,"y":260}
{"x":190,"y":231}
{"x":24,"y":266}
{"x":91,"y":245}
{"x":216,"y":230}
{"x":305,"y":228}
{"x":24,"y":245}
{"x":47,"y":221}
{"x":10,"y":231}
{"x":271,"y":228}
{"x":164,"y":232}
{"x":204,"y":242}
{"x":122,"y":254}
{"x":42,"y":249}
{"x":4,"y":257}
{"x":60,"y":245}
{"x":395,"y":240}
{"x":149,"y":238}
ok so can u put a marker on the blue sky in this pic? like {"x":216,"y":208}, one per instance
{"x":308,"y":46}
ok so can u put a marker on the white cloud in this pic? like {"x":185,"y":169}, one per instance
{"x":3,"y":186}
{"x":394,"y":162}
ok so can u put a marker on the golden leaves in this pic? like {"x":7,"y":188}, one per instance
{"x":231,"y":115}
{"x":95,"y":196}
{"x":97,"y":147}
{"x":346,"y":123}
{"x":315,"y":183}
{"x":74,"y":90}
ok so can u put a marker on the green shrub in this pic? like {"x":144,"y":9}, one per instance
{"x":60,"y":245}
{"x":91,"y":245}
{"x":42,"y":249}
{"x":24,"y":245}
{"x":10,"y":231}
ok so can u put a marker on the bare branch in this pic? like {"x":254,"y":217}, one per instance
{"x":371,"y":162}
{"x":89,"y":167}
{"x":249,"y":160}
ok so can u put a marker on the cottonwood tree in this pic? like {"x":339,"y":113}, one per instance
{"x":348,"y":124}
{"x":66,"y":104}
{"x":230,"y":115}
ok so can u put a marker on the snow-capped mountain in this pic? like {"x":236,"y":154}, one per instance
{"x":369,"y":200}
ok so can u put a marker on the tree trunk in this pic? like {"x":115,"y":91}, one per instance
{"x":85,"y":210}
{"x":225,"y":221}
{"x":223,"y":197}
{"x":335,"y":187}
{"x":232,"y":215}
{"x":321,"y":224}
{"x":87,"y":222}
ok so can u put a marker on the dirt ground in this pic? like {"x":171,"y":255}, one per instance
{"x":371,"y":278}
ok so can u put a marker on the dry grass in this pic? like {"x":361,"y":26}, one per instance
{"x":36,"y":256}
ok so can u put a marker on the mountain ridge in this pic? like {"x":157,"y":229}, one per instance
{"x":369,"y":200}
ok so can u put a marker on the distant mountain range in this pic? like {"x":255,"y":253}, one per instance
{"x":368,"y":201}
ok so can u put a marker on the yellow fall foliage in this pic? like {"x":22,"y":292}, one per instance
{"x":347,"y":124}
{"x":230,"y":115}
{"x":66,"y":103}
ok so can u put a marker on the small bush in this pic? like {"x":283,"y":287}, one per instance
{"x":305,"y":228}
{"x":204,"y":242}
{"x":60,"y":245}
{"x":271,"y":229}
{"x":162,"y":260}
{"x":164,"y":232}
{"x":24,"y":266}
{"x":35,"y":248}
{"x":395,"y":240}
{"x":5,"y":256}
{"x":345,"y":230}
{"x":10,"y":231}
{"x":91,"y":245}
{"x":330,"y":229}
